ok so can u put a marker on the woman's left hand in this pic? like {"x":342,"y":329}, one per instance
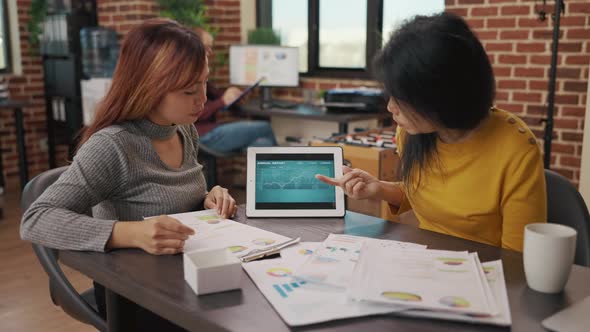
{"x":219,"y":198}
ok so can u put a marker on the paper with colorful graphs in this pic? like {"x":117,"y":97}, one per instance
{"x":301,"y":303}
{"x":439,"y":280}
{"x":334,"y":260}
{"x":495,"y":277}
{"x":213,"y":232}
{"x":299,"y":253}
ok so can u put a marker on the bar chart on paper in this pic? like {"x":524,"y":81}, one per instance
{"x":285,"y":289}
{"x":300,"y":302}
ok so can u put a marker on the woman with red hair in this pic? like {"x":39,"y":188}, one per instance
{"x":139,"y":156}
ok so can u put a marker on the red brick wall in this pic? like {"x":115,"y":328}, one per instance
{"x":224,"y":15}
{"x":123,"y":15}
{"x":29,"y":88}
{"x":518,"y":44}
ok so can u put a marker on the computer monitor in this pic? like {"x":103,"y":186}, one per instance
{"x":279,"y":65}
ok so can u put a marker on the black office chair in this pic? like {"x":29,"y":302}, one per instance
{"x":208,"y":158}
{"x":80,"y":306}
{"x":566,"y":206}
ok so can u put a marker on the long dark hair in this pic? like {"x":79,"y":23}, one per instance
{"x":436,"y":66}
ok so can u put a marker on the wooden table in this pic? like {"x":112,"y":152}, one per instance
{"x":157,"y":283}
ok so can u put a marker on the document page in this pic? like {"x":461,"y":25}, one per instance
{"x":334,"y":260}
{"x":212,"y":232}
{"x":495,"y":277}
{"x":299,"y":302}
{"x":425,"y":279}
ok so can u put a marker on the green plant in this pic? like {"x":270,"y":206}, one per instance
{"x":190,"y":13}
{"x":264,"y":36}
{"x":37,"y":11}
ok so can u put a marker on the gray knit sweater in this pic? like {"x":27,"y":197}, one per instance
{"x":119,"y":175}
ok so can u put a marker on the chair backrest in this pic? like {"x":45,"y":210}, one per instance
{"x":566,"y":206}
{"x":61,"y":290}
{"x":208,"y":151}
{"x":208,"y":159}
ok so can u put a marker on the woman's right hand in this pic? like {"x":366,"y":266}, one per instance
{"x":356,"y":183}
{"x":163,"y":235}
{"x":231,"y":94}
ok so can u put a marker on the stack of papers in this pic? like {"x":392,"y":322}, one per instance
{"x":348,"y":276}
{"x":299,"y":302}
{"x":213,"y":232}
{"x":422,"y":279}
{"x":495,"y":278}
{"x":333,"y":262}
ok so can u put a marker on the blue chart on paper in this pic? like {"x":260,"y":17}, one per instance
{"x":293,"y":181}
{"x":285,"y":289}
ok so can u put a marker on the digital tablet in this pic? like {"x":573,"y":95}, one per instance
{"x":281,"y":182}
{"x":572,"y":318}
{"x":245,"y":92}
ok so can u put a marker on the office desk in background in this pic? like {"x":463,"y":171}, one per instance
{"x":157,"y":283}
{"x":307,"y":121}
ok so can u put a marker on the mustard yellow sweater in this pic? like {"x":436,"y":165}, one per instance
{"x":487,"y":188}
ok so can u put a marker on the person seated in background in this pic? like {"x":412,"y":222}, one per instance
{"x":137,"y":159}
{"x":233,"y":136}
{"x":468,"y":169}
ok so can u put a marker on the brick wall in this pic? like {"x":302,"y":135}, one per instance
{"x":519,"y":46}
{"x":518,"y":43}
{"x":224,"y":14}
{"x":123,"y":15}
{"x":28,"y":88}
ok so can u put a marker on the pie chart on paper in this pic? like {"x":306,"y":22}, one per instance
{"x":278,"y":272}
{"x":452,"y":261}
{"x":263,"y":242}
{"x":402,"y":296}
{"x":236,"y":249}
{"x":454,"y":302}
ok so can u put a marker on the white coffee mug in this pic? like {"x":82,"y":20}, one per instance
{"x":548,"y":256}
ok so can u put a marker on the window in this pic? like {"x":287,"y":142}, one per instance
{"x":342,"y":34}
{"x":396,"y":11}
{"x":338,"y":38}
{"x":289,"y":19}
{"x":4,"y":38}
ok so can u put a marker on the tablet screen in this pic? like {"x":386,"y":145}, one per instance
{"x":245,"y":92}
{"x":281,"y":182}
{"x":287,"y":181}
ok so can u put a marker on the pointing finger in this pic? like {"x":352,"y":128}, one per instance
{"x":327,"y":179}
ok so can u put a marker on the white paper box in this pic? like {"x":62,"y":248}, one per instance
{"x":212,"y":270}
